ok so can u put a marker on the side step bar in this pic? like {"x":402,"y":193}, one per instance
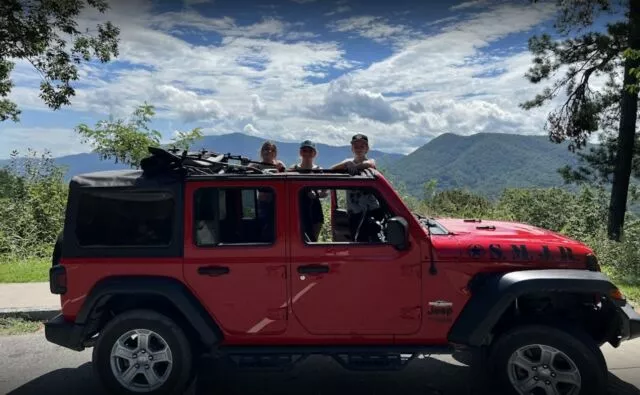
{"x":359,"y":358}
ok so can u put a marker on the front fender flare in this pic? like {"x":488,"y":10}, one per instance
{"x":493,"y":293}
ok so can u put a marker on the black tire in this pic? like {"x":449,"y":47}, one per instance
{"x":572,"y":342}
{"x":177,"y":380}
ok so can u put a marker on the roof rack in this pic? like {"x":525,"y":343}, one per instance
{"x":203,"y":162}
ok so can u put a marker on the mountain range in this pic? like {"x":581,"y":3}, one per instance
{"x":484,"y":163}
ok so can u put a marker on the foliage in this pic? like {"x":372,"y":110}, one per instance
{"x":547,"y":208}
{"x":598,"y":164}
{"x":48,"y":36}
{"x":459,"y":203}
{"x":32,"y":209}
{"x":127,"y":141}
{"x":613,"y":53}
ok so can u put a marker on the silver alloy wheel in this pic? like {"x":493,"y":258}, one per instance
{"x":141,"y":360}
{"x":539,"y":369}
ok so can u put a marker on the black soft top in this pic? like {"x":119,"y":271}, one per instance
{"x":122,"y":178}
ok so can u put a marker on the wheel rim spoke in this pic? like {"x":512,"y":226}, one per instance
{"x":143,"y":340}
{"x":570,"y":377}
{"x":547,"y":355}
{"x":161,"y":356}
{"x":129,"y":374}
{"x":152,"y":377}
{"x":528,"y":385}
{"x":522,"y":361}
{"x":123,"y":352}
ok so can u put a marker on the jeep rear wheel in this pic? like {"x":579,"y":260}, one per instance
{"x":544,"y":360}
{"x":143,"y":352}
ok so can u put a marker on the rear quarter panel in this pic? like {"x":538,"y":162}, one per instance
{"x":84,"y":273}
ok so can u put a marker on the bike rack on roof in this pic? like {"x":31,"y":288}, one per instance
{"x":163,"y":161}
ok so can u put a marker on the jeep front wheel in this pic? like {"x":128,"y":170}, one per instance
{"x":543,"y":360}
{"x":145,"y":352}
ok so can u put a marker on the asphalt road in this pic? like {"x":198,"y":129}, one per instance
{"x":31,"y":365}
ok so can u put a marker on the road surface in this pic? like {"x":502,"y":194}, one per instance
{"x":31,"y":365}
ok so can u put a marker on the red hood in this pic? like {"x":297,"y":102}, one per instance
{"x":511,"y":231}
{"x":508,"y":242}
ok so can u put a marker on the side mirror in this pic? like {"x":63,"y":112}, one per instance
{"x":397,"y":233}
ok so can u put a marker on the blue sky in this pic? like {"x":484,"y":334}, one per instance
{"x":401,"y":71}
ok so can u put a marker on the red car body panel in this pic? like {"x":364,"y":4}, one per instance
{"x":84,"y":273}
{"x":372,"y":294}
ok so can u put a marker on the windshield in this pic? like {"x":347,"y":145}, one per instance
{"x":433,"y":226}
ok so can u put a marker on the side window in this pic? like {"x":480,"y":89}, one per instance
{"x":359,"y":216}
{"x":224,"y":216}
{"x":125,"y":219}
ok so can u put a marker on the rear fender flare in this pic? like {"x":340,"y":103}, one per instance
{"x":171,"y":290}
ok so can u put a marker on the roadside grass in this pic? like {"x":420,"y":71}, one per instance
{"x":24,"y":270}
{"x":17,"y":326}
{"x":631,"y":290}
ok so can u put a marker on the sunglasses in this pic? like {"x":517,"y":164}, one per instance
{"x":306,"y":149}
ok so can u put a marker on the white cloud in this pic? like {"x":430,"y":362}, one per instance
{"x":257,"y":106}
{"x":468,"y":4}
{"x":189,"y":106}
{"x":344,"y":102}
{"x":303,"y":1}
{"x":442,"y":20}
{"x":373,"y":27}
{"x":339,"y":10}
{"x":416,"y":107}
{"x":251,"y":130}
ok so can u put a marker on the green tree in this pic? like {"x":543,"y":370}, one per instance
{"x":586,"y":110}
{"x":46,"y":34}
{"x":32,"y":207}
{"x":127,"y":141}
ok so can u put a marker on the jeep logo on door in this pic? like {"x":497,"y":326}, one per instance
{"x":440,"y":308}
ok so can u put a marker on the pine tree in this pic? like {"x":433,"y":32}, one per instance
{"x":585,"y":110}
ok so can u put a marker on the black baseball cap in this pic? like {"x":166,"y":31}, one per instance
{"x":359,"y":137}
{"x":308,"y":144}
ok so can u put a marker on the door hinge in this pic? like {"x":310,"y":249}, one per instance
{"x":411,"y":313}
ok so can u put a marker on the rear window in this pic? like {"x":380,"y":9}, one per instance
{"x":125,"y":218}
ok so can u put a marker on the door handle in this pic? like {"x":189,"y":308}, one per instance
{"x":313,"y":269}
{"x":213,"y":271}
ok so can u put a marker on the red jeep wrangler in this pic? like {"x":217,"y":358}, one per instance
{"x":202,"y":253}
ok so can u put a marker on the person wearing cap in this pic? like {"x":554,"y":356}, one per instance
{"x":360,"y":148}
{"x":308,"y":153}
{"x":362,"y":205}
{"x":311,"y":208}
